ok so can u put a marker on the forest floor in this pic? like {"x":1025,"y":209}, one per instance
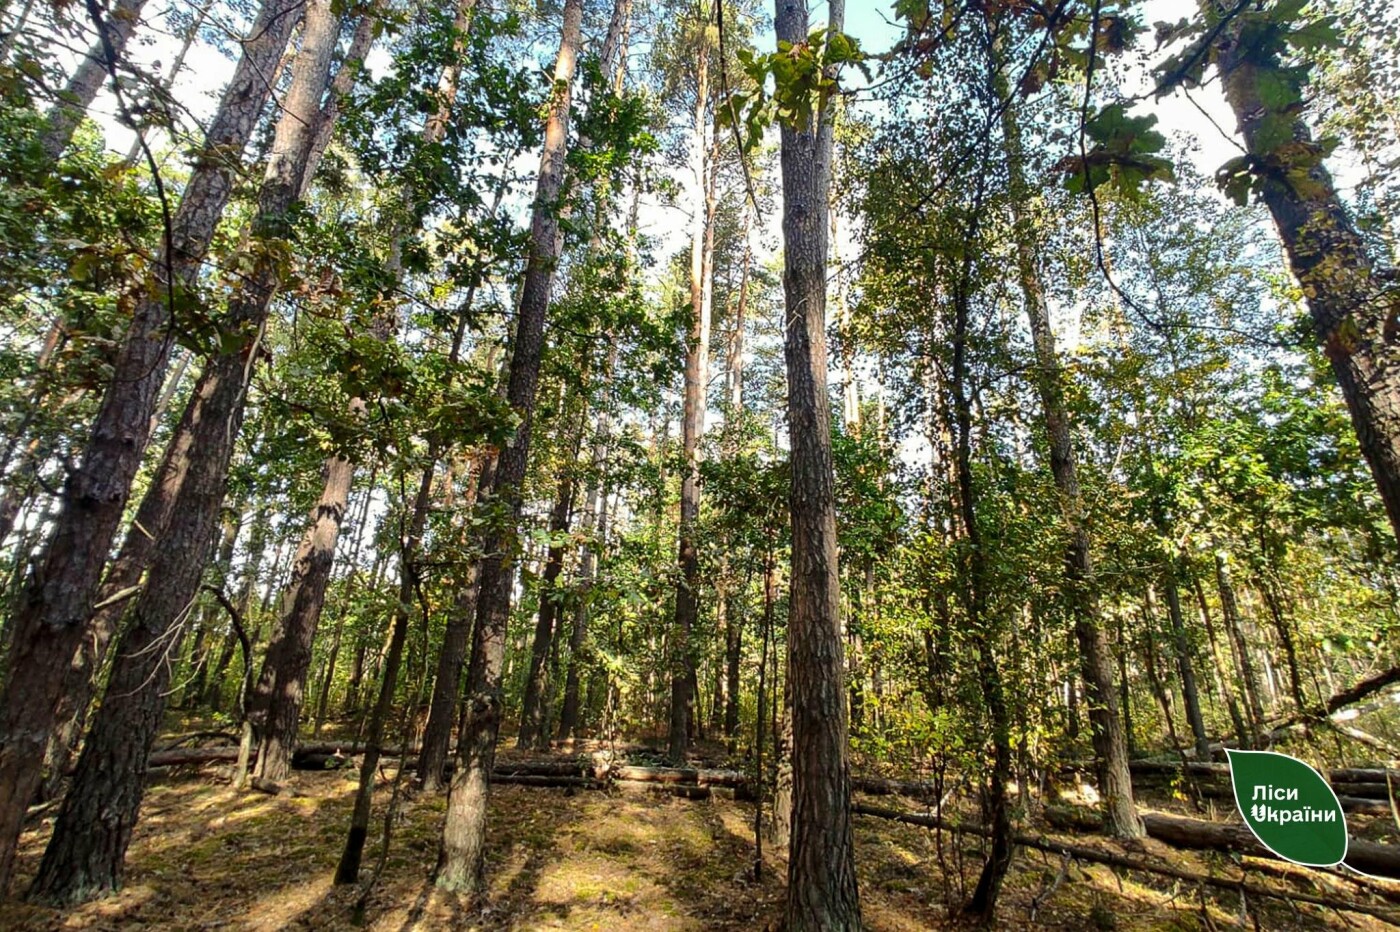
{"x":206,"y":856}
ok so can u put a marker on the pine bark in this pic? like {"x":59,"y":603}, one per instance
{"x":85,"y":855}
{"x":461,"y":860}
{"x":437,"y":733}
{"x":822,"y":892}
{"x":1353,"y":315}
{"x":51,"y":614}
{"x":113,"y":601}
{"x":277,"y":698}
{"x":82,"y":87}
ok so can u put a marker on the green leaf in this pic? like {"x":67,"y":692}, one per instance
{"x":1277,"y":90}
{"x":1274,"y":131}
{"x":1236,"y":179}
{"x":1320,"y":33}
{"x":1289,"y":807}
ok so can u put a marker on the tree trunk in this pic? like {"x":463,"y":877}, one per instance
{"x":348,"y":870}
{"x":1284,"y":631}
{"x":113,"y":599}
{"x":1081,"y":598}
{"x":50,"y":618}
{"x":353,"y":577}
{"x":697,"y":377}
{"x":1125,"y":695}
{"x":779,"y":722}
{"x":85,"y":855}
{"x":532,"y":715}
{"x":596,"y":514}
{"x":1239,"y":647}
{"x":437,"y":733}
{"x":277,"y":698}
{"x":93,"y":69}
{"x":1221,"y":674}
{"x":821,"y":861}
{"x":276,"y":701}
{"x":461,"y":861}
{"x":1186,"y":668}
{"x":187,"y":41}
{"x":734,"y":379}
{"x":1352,"y":315}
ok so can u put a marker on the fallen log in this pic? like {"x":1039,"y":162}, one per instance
{"x":324,"y":756}
{"x":1364,"y":775}
{"x":1366,"y":856}
{"x":549,"y":768}
{"x":545,"y":780}
{"x":180,"y":757}
{"x":1094,"y":855}
{"x":679,"y":775}
{"x":270,"y":787}
{"x":306,"y":757}
{"x":1339,"y":701}
{"x":683,"y":790}
{"x":1364,"y":806}
{"x":1354,"y":781}
{"x":1361,"y":805}
{"x":226,"y":736}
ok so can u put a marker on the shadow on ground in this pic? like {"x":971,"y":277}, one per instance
{"x":207,"y":857}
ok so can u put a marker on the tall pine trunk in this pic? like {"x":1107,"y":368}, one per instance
{"x":86,"y":853}
{"x":821,"y":892}
{"x":437,"y":733}
{"x":462,"y":858}
{"x":94,"y":68}
{"x":277,"y":697}
{"x":275,"y":706}
{"x":1352,"y":314}
{"x":50,"y":617}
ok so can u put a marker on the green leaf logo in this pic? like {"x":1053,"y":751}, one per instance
{"x":1289,"y":807}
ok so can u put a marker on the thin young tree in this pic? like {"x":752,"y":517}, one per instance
{"x":697,"y":379}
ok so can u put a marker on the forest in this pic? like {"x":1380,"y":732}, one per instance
{"x":523,"y":464}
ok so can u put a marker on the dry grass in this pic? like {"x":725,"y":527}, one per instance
{"x":207,"y":857}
